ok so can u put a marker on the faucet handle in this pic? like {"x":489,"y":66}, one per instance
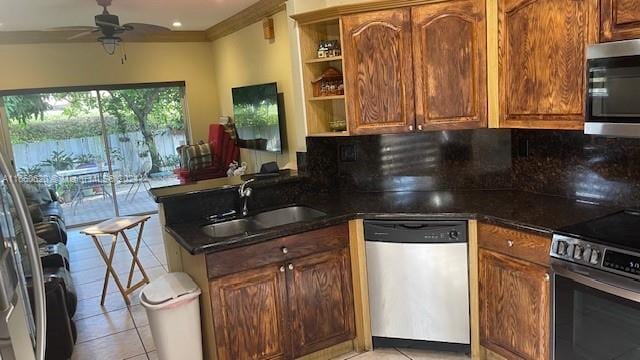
{"x":220,"y":217}
{"x":244,"y":184}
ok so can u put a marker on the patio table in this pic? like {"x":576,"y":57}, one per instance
{"x":98,"y":171}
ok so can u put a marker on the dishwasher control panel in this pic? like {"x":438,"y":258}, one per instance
{"x":416,"y":231}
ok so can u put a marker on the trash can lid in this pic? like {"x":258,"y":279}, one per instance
{"x":168,"y":287}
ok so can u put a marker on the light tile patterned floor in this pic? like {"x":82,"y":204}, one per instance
{"x":116,"y":331}
{"x":404,"y":354}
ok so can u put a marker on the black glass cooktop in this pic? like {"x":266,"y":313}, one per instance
{"x":621,"y":229}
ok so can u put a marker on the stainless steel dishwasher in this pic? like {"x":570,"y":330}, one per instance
{"x":418,"y":278}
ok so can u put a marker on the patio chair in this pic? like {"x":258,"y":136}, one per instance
{"x":141,"y":179}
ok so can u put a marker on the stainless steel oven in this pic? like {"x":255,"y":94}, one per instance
{"x":596,"y":315}
{"x":596,"y":289}
{"x":613,"y":91}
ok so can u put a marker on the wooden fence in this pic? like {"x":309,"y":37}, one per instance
{"x":129,"y":149}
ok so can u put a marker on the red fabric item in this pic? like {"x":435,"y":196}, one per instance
{"x":225,"y":151}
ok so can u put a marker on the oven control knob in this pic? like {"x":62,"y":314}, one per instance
{"x":595,"y":257}
{"x":577,"y":252}
{"x":453,"y":235}
{"x":562,"y":248}
{"x":586,"y":255}
{"x":569,"y":252}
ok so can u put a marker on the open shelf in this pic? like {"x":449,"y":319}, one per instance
{"x":323,"y":60}
{"x":320,"y":111}
{"x":330,"y":133}
{"x":323,"y":98}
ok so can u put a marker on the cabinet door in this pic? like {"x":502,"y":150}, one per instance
{"x":542,"y":46}
{"x":378,"y":71}
{"x":249,"y":312}
{"x":619,"y":20}
{"x":320,"y":301}
{"x":449,"y":58}
{"x":514,"y":307}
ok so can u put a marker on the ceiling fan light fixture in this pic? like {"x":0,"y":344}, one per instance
{"x":177,"y":24}
{"x":110,"y":44}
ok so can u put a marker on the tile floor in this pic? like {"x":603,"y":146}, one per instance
{"x":116,"y":331}
{"x":404,"y":354}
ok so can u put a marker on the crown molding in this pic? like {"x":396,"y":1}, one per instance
{"x":330,"y":13}
{"x":246,"y":17}
{"x":49,"y":37}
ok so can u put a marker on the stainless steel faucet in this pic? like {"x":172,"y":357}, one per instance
{"x":245,"y":193}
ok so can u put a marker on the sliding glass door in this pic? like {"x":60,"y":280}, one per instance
{"x":98,"y":150}
{"x":145,"y":126}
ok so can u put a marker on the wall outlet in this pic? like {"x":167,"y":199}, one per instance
{"x":348,"y":152}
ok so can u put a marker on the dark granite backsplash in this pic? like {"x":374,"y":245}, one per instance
{"x":573,"y":165}
{"x":441,"y":160}
{"x":560,"y":163}
{"x":568,"y":164}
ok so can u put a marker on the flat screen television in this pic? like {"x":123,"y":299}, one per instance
{"x":257,"y":114}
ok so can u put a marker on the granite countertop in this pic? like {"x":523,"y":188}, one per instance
{"x":518,"y":209}
{"x":160,"y":194}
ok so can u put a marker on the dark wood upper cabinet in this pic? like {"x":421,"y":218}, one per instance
{"x":619,"y":20}
{"x":378,"y":71}
{"x":542,"y":47}
{"x":514,"y":307}
{"x":249,"y":311}
{"x":449,"y":58}
{"x":321,"y":301}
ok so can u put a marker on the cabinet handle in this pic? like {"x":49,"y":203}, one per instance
{"x":410,"y":127}
{"x":290,"y":266}
{"x":282,"y":268}
{"x":420,"y":127}
{"x":285,"y":250}
{"x":547,"y":277}
{"x":510,"y":243}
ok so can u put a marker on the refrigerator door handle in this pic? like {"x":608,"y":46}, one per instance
{"x":8,"y":281}
{"x":34,"y":256}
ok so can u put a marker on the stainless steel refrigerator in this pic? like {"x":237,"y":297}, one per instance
{"x":22,"y":323}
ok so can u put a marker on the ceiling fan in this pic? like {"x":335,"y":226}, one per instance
{"x":109,"y":28}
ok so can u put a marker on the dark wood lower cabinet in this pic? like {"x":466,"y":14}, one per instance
{"x":514,"y":306}
{"x":249,"y":311}
{"x":288,"y":309}
{"x":321,"y":301}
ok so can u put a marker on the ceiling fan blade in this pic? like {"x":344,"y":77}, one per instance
{"x":72,"y":28}
{"x":111,"y":25}
{"x":82,"y":34}
{"x":146,"y":28}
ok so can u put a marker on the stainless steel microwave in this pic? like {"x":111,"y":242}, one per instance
{"x":613,"y":90}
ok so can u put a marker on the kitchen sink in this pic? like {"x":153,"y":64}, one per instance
{"x":262,"y":221}
{"x":230,"y":228}
{"x":288,"y":215}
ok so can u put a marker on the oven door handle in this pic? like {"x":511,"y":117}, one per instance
{"x":593,"y":280}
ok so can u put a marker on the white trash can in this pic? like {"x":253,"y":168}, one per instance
{"x":173,"y":309}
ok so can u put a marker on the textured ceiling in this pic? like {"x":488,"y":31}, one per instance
{"x":18,"y":15}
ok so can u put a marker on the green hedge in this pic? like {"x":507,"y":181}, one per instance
{"x":59,"y":129}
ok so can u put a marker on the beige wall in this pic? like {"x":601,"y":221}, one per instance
{"x":54,"y":65}
{"x":246,"y":58}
